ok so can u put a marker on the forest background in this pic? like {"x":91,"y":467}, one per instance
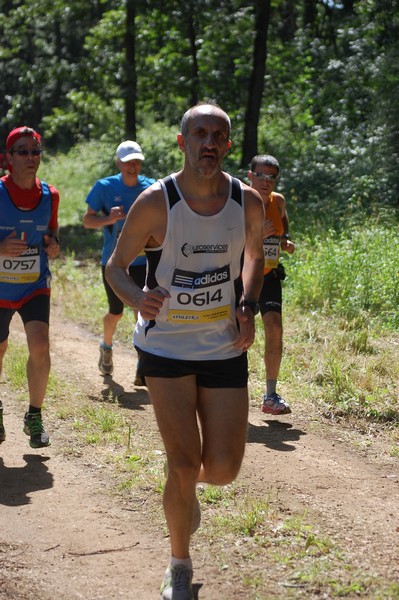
{"x":313,"y":82}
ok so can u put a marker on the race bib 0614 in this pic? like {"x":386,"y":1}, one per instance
{"x":200,"y":297}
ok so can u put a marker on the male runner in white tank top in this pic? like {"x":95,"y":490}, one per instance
{"x":202,"y":232}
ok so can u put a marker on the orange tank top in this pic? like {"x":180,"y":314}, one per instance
{"x":272,"y":245}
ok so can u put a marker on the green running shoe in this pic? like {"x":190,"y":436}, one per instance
{"x":33,"y":427}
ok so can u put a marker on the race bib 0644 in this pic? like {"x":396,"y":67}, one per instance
{"x":271,"y":251}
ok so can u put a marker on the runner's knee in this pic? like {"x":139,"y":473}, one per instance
{"x":222,"y":470}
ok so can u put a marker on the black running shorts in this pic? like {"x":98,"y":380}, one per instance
{"x":35,"y":309}
{"x":271,"y":297}
{"x":229,"y":373}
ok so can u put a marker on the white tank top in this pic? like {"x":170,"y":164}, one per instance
{"x":199,"y":263}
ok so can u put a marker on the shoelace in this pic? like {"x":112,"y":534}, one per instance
{"x":35,"y":425}
{"x":180,"y":578}
{"x":107,"y":356}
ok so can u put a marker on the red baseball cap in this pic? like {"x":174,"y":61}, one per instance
{"x":20,"y":132}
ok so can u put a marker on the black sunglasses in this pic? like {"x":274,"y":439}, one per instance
{"x":265,"y":177}
{"x":23,"y":152}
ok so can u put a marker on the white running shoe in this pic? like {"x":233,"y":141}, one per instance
{"x":177,"y":584}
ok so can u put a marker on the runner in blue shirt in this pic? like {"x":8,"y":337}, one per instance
{"x":108,"y":202}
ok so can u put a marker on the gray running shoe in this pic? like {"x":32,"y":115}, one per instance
{"x":105,"y":363}
{"x":2,"y":430}
{"x":177,"y":584}
{"x":275,"y":405}
{"x":33,"y":427}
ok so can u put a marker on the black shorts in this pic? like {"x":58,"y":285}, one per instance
{"x":35,"y":309}
{"x":137,"y":273}
{"x":229,"y":373}
{"x":271,"y":297}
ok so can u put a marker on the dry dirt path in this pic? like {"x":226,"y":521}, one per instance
{"x":65,"y":536}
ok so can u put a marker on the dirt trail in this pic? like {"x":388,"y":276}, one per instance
{"x":63,"y":535}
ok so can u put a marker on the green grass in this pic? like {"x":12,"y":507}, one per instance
{"x":78,"y":286}
{"x":15,"y":366}
{"x":15,"y":371}
{"x":348,"y":273}
{"x":306,"y":562}
{"x":337,"y":370}
{"x":73,"y":175}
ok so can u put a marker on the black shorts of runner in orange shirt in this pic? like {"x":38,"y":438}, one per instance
{"x":271,"y":297}
{"x":228,"y":373}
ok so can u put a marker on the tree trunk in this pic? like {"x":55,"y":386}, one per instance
{"x":194,"y":83}
{"x":348,"y":6}
{"x":130,"y":89}
{"x":310,"y":13}
{"x":256,"y":83}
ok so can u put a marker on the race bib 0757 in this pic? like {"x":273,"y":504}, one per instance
{"x":21,"y":269}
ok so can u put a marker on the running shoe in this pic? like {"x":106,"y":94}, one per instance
{"x":33,"y":427}
{"x":105,"y":363}
{"x":275,"y":405}
{"x":2,"y":430}
{"x":177,"y":584}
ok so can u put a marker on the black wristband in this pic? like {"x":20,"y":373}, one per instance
{"x":254,"y":306}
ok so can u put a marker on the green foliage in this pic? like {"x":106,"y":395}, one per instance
{"x":41,"y":57}
{"x":329,"y":112}
{"x":83,"y":119}
{"x":349,"y":272}
{"x":74,"y":173}
{"x":162,"y":154}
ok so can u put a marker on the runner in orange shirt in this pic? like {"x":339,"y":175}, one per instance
{"x":263,"y":175}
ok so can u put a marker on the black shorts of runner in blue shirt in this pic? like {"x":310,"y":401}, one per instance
{"x":228,"y":373}
{"x":35,"y":309}
{"x":271,"y":298}
{"x":115,"y":304}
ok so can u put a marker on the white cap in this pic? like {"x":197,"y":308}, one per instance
{"x":129,"y":151}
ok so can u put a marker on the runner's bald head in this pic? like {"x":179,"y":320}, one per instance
{"x":204,"y":108}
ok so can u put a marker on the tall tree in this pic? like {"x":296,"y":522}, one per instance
{"x":191,"y":34}
{"x":256,"y":82}
{"x":310,"y":13}
{"x":130,"y":88}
